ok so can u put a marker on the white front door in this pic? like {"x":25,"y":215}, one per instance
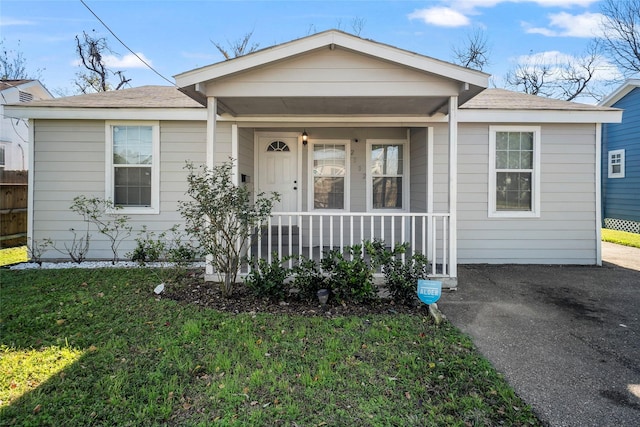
{"x":278,"y":169}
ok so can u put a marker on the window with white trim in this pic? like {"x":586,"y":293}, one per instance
{"x":2,"y":157}
{"x":514,"y":177}
{"x":616,"y":164}
{"x":330,"y":185}
{"x":133,"y":172}
{"x":386,"y":177}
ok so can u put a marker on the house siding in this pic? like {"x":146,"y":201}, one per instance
{"x":620,"y":198}
{"x":69,"y":159}
{"x":418,"y":170}
{"x":563,"y":234}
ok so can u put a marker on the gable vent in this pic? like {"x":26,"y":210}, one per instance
{"x":25,"y":97}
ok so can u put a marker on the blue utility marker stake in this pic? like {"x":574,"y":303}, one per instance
{"x":429,"y":291}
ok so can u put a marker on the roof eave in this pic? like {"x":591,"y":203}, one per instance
{"x":539,"y":116}
{"x":84,"y":113}
{"x":620,"y":92}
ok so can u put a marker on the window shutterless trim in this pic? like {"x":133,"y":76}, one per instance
{"x":620,"y":155}
{"x":535,"y":173}
{"x":109,"y":190}
{"x":406,"y":172}
{"x":347,"y":174}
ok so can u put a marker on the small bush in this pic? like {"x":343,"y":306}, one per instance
{"x":308,"y":279}
{"x":401,"y":278}
{"x":268,"y":279}
{"x":349,"y":278}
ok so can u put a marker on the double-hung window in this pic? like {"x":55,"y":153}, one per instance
{"x":514,"y":172}
{"x":386,"y":178}
{"x":330,"y":160}
{"x":133,"y":159}
{"x":616,"y":164}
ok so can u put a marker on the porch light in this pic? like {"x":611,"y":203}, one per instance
{"x":305,"y":137}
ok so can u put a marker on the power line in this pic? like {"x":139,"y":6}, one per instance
{"x":125,"y":45}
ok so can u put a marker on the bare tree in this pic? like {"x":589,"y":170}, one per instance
{"x":621,"y":38}
{"x":474,"y":52}
{"x":561,"y":76}
{"x":237,"y":47}
{"x":357,"y":25}
{"x":91,"y":50}
{"x":13,"y":65}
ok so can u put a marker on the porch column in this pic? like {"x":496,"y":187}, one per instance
{"x":453,"y":186}
{"x":234,"y":155}
{"x":212,"y":111}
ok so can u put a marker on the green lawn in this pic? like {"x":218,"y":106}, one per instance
{"x":96,"y":347}
{"x":621,"y":237}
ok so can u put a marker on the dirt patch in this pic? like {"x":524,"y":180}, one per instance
{"x":193,"y":290}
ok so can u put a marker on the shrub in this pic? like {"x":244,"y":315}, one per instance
{"x":349,"y":278}
{"x":223,"y":217}
{"x":401,"y":278}
{"x":308,"y":279}
{"x":268,"y":279}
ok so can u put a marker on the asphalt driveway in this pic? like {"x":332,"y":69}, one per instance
{"x":567,"y":338}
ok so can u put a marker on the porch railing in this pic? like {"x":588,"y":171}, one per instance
{"x":311,"y":233}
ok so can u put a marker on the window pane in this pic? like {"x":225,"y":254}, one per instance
{"x":132,"y":145}
{"x":328,"y":193}
{"x":514,"y":141}
{"x":502,"y":140}
{"x":387,"y":193}
{"x":502,"y":159}
{"x":329,"y":160}
{"x":616,"y":168}
{"x":526,"y":141}
{"x":386,"y":159}
{"x":526,"y":160}
{"x":132,"y":186}
{"x":513,"y":191}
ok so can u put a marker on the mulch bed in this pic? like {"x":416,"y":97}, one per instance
{"x":193,"y":290}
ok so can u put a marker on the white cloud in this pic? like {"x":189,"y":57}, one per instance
{"x":456,"y":13}
{"x":564,"y":24}
{"x":441,"y":16}
{"x":7,"y":22}
{"x":128,"y":61}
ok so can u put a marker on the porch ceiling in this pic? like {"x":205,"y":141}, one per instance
{"x":330,"y":106}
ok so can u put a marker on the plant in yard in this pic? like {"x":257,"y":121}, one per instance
{"x":37,"y":248}
{"x":222,"y":218}
{"x":350,"y":277}
{"x":170,"y":248}
{"x":308,"y":279}
{"x":268,"y":279}
{"x":79,"y":247}
{"x":401,"y":277}
{"x":102,"y":213}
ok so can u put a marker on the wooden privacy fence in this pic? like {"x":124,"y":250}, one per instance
{"x":13,"y":208}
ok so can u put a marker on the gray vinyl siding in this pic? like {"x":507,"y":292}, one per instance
{"x":222,"y":147}
{"x":565,"y":231}
{"x":70,"y":161}
{"x":418,"y":170}
{"x":441,"y":168}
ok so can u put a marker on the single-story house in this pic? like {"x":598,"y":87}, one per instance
{"x":621,"y":160}
{"x":397,"y":146}
{"x":14,"y":149}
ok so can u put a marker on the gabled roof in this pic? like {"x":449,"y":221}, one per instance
{"x":332,"y":38}
{"x":620,"y":92}
{"x":34,"y":87}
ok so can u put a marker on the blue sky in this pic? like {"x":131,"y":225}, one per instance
{"x":175,"y":36}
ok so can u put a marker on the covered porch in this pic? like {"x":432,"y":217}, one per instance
{"x":379,"y":160}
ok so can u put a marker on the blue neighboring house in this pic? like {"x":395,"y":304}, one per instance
{"x":621,"y":161}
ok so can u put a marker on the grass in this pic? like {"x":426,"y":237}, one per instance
{"x":15,"y":255}
{"x":96,"y":347}
{"x":621,"y":237}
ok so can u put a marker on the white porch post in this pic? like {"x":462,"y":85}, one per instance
{"x":453,"y":186}
{"x":430,"y":155}
{"x":234,"y":155}
{"x":212,"y":111}
{"x":212,"y":107}
{"x":598,"y":189}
